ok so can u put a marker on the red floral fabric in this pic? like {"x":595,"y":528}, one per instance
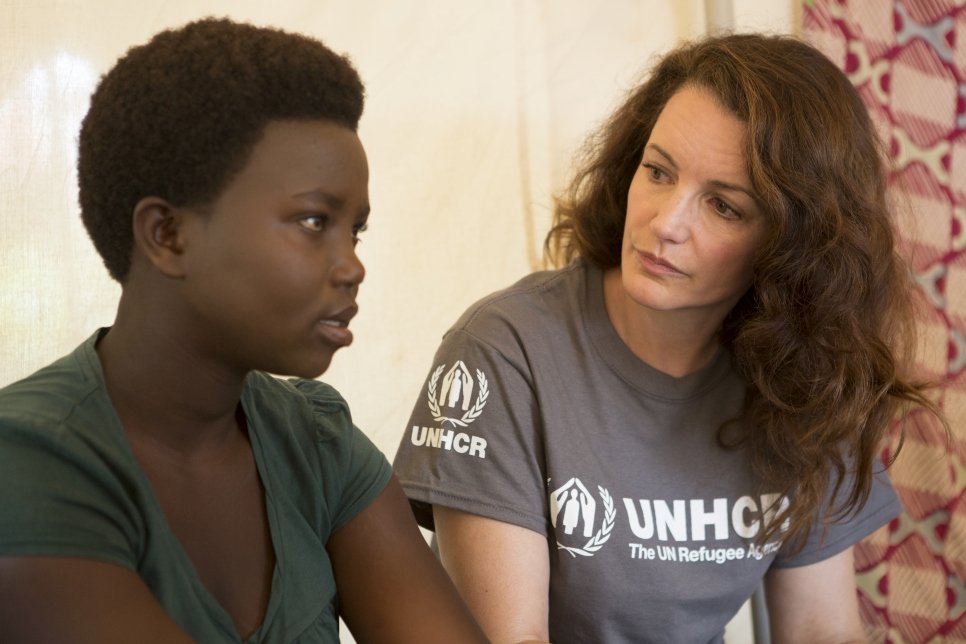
{"x":908,"y":60}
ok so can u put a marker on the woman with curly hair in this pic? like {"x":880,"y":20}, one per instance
{"x":157,"y":484}
{"x":697,"y":400}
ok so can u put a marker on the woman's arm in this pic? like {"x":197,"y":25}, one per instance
{"x":79,"y":601}
{"x":391,"y":587}
{"x":502,"y":571}
{"x":815,"y":603}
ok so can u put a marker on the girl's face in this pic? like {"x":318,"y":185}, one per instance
{"x":271,"y":272}
{"x":692,"y":224}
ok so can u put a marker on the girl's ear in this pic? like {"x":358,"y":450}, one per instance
{"x":159,"y":234}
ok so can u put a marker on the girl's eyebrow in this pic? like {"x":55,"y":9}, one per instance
{"x":328,"y":199}
{"x":321,"y":196}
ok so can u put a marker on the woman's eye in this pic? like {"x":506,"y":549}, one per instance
{"x":722,"y":208}
{"x":654,"y":173}
{"x":315,"y":223}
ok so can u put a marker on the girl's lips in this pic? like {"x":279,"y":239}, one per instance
{"x":335,"y":326}
{"x":656,"y":265}
{"x":336,"y":332}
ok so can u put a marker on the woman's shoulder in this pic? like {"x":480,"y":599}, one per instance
{"x":535,"y":299}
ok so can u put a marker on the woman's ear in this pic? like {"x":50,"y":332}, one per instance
{"x":159,"y":231}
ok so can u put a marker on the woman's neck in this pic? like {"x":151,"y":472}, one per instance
{"x":677,"y":343}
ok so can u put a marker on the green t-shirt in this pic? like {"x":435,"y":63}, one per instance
{"x":70,"y":486}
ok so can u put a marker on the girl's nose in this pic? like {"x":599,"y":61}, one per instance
{"x":348,"y":270}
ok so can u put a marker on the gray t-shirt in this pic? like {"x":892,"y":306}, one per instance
{"x":537,"y":414}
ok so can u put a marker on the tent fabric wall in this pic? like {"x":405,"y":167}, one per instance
{"x":474,"y":112}
{"x":908,"y":60}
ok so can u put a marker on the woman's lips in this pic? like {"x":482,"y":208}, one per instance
{"x":654,"y":264}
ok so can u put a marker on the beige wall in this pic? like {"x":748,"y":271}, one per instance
{"x":474,"y":110}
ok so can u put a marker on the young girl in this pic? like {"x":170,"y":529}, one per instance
{"x":157,"y":484}
{"x":696,"y":402}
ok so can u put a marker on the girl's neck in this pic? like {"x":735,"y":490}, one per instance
{"x":163,"y":391}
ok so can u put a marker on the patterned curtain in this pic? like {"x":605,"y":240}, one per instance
{"x":908,"y":60}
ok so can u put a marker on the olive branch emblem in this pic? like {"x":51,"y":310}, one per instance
{"x":600,"y":538}
{"x":471,"y":414}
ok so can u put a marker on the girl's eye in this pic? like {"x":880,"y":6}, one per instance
{"x":722,"y":208}
{"x":315,"y":223}
{"x":356,"y":231}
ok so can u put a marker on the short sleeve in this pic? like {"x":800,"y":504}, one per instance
{"x":367,"y":474}
{"x":353,"y":470}
{"x":63,"y":493}
{"x":474,"y":441}
{"x":881,"y":507}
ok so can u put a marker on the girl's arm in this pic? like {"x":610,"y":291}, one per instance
{"x":391,"y":587}
{"x":68,"y":600}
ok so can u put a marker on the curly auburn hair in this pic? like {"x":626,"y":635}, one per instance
{"x":177,"y":118}
{"x":824,"y":336}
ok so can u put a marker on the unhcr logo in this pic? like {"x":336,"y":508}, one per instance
{"x":450,"y":399}
{"x":447,"y":399}
{"x":573,"y":510}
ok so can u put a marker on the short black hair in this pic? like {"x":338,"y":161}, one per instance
{"x":177,"y":118}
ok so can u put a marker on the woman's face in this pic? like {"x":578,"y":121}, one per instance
{"x":692,"y":224}
{"x":271,"y":268}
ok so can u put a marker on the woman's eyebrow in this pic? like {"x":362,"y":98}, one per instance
{"x":664,"y":153}
{"x":717,"y":183}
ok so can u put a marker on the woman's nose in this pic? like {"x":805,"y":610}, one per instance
{"x":671,"y":221}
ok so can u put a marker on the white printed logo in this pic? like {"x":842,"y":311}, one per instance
{"x":455,"y":394}
{"x":573,"y":506}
